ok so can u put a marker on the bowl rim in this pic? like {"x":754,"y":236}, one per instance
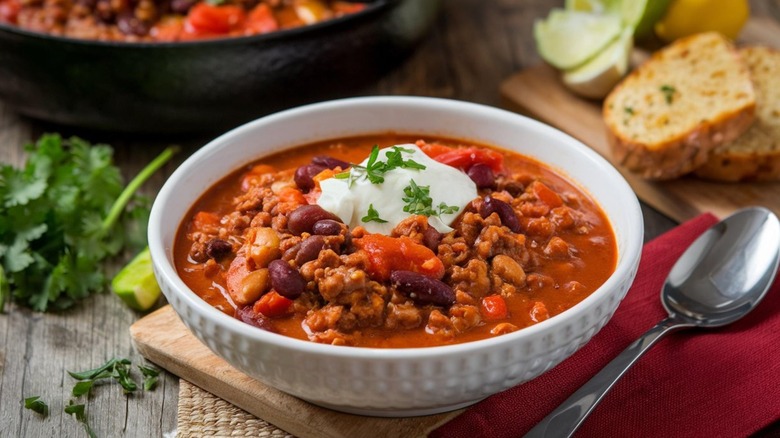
{"x":627,"y":260}
{"x":372,"y":9}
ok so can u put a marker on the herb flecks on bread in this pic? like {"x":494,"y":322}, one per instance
{"x":668,"y":115}
{"x":755,"y":155}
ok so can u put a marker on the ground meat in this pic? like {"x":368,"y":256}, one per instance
{"x":495,"y":240}
{"x":453,"y":250}
{"x":405,"y":315}
{"x":473,"y":278}
{"x":412,"y":227}
{"x":440,"y":325}
{"x":464,"y":317}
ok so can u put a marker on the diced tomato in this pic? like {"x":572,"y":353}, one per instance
{"x":494,"y":307}
{"x":464,"y":158}
{"x":204,"y":221}
{"x":206,"y":19}
{"x":546,"y":194}
{"x":169,"y":29}
{"x":387,"y":254}
{"x":289,"y":199}
{"x":433,"y":150}
{"x":9,"y":10}
{"x":343,"y":7}
{"x":261,"y":20}
{"x":272,"y":305}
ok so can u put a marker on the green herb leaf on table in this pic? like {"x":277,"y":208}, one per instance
{"x":82,"y":387}
{"x":61,"y":215}
{"x":80,"y":414}
{"x":150,"y":377}
{"x":36,"y":404}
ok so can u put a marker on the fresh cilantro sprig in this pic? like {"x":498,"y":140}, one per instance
{"x":375,"y":170}
{"x":117,"y":369}
{"x":418,"y":201}
{"x":372,"y":216}
{"x":61,"y":216}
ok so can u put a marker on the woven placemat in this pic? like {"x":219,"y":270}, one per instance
{"x":202,"y":413}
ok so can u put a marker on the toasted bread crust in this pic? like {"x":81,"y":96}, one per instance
{"x":755,"y":155}
{"x":668,"y":115}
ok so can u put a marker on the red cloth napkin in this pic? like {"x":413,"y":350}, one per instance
{"x":694,"y":383}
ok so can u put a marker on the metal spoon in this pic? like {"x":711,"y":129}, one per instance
{"x":720,"y":278}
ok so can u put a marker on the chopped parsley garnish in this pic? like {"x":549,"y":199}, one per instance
{"x":629,"y":110}
{"x":418,"y":201}
{"x":372,"y":216}
{"x":36,"y":404}
{"x":117,"y":369}
{"x":61,"y":216}
{"x":150,"y":377}
{"x":375,"y":170}
{"x":668,"y":91}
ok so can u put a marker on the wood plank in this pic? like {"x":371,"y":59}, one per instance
{"x":539,"y":93}
{"x":163,"y":339}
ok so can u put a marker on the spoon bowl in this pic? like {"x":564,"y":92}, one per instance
{"x":726,"y":271}
{"x":719,"y":279}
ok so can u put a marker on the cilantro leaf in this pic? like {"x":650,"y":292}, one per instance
{"x":36,"y":404}
{"x":418,"y":201}
{"x":372,"y":216}
{"x":81,"y":416}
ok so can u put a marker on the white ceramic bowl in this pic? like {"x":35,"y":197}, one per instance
{"x":396,"y":382}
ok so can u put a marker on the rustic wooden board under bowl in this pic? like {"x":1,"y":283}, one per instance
{"x":539,"y":93}
{"x":163,"y":339}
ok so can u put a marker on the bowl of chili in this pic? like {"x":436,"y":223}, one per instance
{"x":209,"y":82}
{"x":380,"y":321}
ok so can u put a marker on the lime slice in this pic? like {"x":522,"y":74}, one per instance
{"x":567,"y":39}
{"x":641,"y":15}
{"x":135,"y":283}
{"x":597,"y":77}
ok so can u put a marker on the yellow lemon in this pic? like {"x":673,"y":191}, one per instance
{"x":687,"y":17}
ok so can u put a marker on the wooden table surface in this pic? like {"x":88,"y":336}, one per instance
{"x":474,"y":45}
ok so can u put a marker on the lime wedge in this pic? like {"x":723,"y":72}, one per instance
{"x":567,"y":39}
{"x":135,"y":283}
{"x":597,"y":77}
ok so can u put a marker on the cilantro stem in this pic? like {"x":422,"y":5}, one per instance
{"x":119,"y":205}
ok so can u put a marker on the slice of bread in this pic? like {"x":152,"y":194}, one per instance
{"x":755,"y":155}
{"x":665,"y":118}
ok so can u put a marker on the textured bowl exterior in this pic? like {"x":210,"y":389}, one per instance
{"x":208,"y":85}
{"x":396,"y":382}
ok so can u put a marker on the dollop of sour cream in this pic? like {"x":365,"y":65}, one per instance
{"x":352,"y":198}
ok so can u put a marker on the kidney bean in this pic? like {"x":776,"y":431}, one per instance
{"x":304,"y":176}
{"x":423,"y":289}
{"x":327,"y":227}
{"x":310,"y":249}
{"x":286,"y":280}
{"x":505,"y":212}
{"x":249,"y":316}
{"x":432,"y":238}
{"x":218,"y":248}
{"x":330,"y":162}
{"x":303,"y":218}
{"x":482,"y":175}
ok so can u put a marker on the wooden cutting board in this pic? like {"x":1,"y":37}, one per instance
{"x":162,"y":338}
{"x":539,"y":93}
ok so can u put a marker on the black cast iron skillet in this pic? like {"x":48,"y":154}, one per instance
{"x":204,"y":85}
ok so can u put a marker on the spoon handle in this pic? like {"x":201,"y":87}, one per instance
{"x":564,"y":420}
